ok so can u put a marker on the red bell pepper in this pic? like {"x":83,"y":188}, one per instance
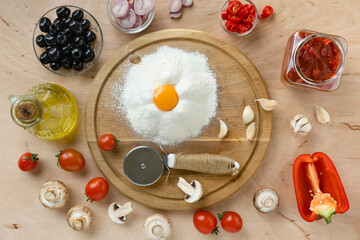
{"x":318,"y":188}
{"x":234,"y":7}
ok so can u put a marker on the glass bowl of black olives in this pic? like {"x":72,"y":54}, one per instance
{"x":67,"y":40}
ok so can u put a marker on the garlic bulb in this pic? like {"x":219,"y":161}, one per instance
{"x":248,"y":114}
{"x":300,"y":125}
{"x":53,"y":194}
{"x":79,"y":217}
{"x":223,"y":129}
{"x":250,"y":132}
{"x":322,"y":115}
{"x":157,"y":227}
{"x":267,"y":104}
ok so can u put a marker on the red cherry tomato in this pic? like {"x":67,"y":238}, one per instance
{"x":231,"y":222}
{"x":107,"y":142}
{"x":28,"y":161}
{"x":205,"y":222}
{"x":70,"y":160}
{"x":96,"y":189}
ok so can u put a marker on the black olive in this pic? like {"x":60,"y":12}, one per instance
{"x":54,"y":29}
{"x":85,"y":24}
{"x":58,"y":23}
{"x":48,"y":48}
{"x":67,"y":48}
{"x":86,"y":46}
{"x":54,"y":54}
{"x":88,"y":55}
{"x":67,"y":21}
{"x":78,"y":65}
{"x":40,"y":40}
{"x":55,"y":65}
{"x":68,"y":32}
{"x":78,"y":15}
{"x":50,"y":40}
{"x":61,"y":38}
{"x":90,"y":36}
{"x":76,"y":27}
{"x":66,"y":63}
{"x":44,"y":24}
{"x":76,"y":53}
{"x":44,"y":58}
{"x":79,"y":41}
{"x":63,"y":12}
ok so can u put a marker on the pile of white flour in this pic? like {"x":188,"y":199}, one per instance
{"x":194,"y":82}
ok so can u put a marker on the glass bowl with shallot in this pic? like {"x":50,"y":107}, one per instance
{"x":131,"y":16}
{"x":238,"y":17}
{"x":67,"y":40}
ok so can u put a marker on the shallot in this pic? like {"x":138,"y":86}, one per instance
{"x":129,"y":20}
{"x":187,"y":3}
{"x":175,"y":14}
{"x":120,"y":8}
{"x":175,"y":6}
{"x":142,"y":7}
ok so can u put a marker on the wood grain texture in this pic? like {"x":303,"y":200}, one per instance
{"x":239,"y":83}
{"x":23,"y":217}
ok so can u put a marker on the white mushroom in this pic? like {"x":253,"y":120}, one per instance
{"x":79,"y":217}
{"x":266,"y":200}
{"x":53,"y":194}
{"x":157,"y":227}
{"x":193,"y":190}
{"x":117,"y":213}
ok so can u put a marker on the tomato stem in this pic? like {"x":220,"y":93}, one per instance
{"x":33,"y":157}
{"x":215,"y":231}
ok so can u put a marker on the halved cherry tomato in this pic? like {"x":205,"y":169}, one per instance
{"x":96,"y":189}
{"x":205,"y":222}
{"x":267,"y":11}
{"x":107,"y":142}
{"x":28,"y":161}
{"x":234,"y":7}
{"x":231,"y":221}
{"x":231,"y":27}
{"x":70,"y":160}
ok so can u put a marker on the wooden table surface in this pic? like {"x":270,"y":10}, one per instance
{"x":23,"y":217}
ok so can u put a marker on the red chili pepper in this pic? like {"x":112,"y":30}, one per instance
{"x":234,"y":18}
{"x":234,"y":7}
{"x":243,"y":13}
{"x":267,"y":11}
{"x":249,"y":19}
{"x":232,"y":27}
{"x":249,"y":26}
{"x":242,"y":28}
{"x":317,"y":184}
{"x":224,"y":15}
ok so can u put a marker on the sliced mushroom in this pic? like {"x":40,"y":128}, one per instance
{"x":157,"y":227}
{"x":266,"y":200}
{"x":79,"y":217}
{"x":118,"y":213}
{"x":193,"y":190}
{"x":53,"y":194}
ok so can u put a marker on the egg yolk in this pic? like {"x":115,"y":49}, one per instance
{"x":165,"y":97}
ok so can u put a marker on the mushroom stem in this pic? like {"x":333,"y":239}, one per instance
{"x":185,"y":186}
{"x":117,"y":213}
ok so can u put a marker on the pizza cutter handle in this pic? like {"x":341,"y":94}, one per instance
{"x":203,"y":163}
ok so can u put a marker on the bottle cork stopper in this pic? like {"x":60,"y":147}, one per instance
{"x":25,"y":111}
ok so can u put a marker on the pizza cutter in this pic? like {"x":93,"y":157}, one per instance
{"x":144,"y":166}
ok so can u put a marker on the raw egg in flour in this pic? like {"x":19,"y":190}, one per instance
{"x":165,"y":97}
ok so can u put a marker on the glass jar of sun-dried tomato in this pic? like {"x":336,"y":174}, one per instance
{"x":315,"y":60}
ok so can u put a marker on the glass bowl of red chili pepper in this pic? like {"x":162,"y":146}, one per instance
{"x":238,"y":18}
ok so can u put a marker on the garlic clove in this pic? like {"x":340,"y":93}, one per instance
{"x":250,"y":132}
{"x":322,"y":115}
{"x":248,"y":114}
{"x":223,"y":129}
{"x":300,"y":125}
{"x":267,"y":104}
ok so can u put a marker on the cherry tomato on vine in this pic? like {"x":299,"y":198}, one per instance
{"x":28,"y":161}
{"x":107,"y":142}
{"x":96,"y":189}
{"x":231,"y":221}
{"x":205,"y":222}
{"x":70,"y":160}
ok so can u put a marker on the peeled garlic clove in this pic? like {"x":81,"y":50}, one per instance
{"x":248,"y":114}
{"x":267,"y":104}
{"x":223,"y":129}
{"x":300,"y":125}
{"x":250,"y":132}
{"x":322,"y":115}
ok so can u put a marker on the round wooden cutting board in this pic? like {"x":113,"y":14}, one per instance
{"x":239,"y":83}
